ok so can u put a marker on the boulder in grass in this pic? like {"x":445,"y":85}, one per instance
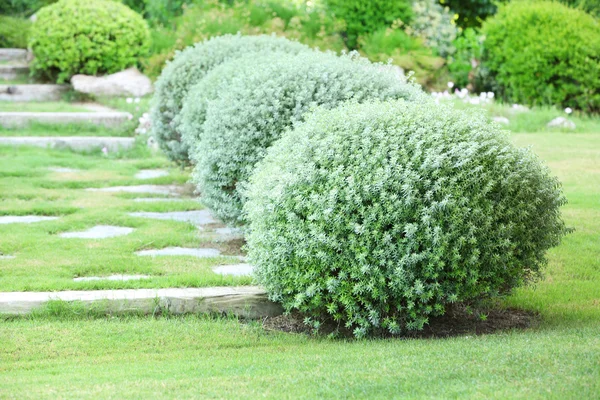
{"x":561,"y":122}
{"x":129,"y":82}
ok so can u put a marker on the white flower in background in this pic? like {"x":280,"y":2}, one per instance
{"x":137,"y":100}
{"x":450,"y":85}
{"x":129,"y":100}
{"x":490,"y":95}
{"x":105,"y":150}
{"x":144,"y":126}
{"x":568,"y":110}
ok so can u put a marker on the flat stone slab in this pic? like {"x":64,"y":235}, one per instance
{"x":243,"y":301}
{"x":234,"y":270}
{"x":77,"y":143}
{"x":99,"y":232}
{"x":11,"y":71}
{"x":121,"y":278}
{"x":63,"y":170}
{"x":198,"y":218}
{"x":24,"y":219}
{"x":110,"y":119}
{"x":151,"y":173}
{"x":32,"y":92}
{"x":180,"y":251}
{"x":229,"y":232}
{"x":6,"y":257}
{"x":154,"y":199}
{"x":172,"y":190}
{"x":13,"y":55}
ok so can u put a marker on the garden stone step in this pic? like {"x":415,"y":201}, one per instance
{"x":111,"y":119}
{"x":32,"y":92}
{"x":20,"y":55}
{"x":243,"y":301}
{"x":12,"y":71}
{"x":77,"y":143}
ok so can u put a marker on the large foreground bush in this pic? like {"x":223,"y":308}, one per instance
{"x":379,"y":216}
{"x":545,"y":53}
{"x":86,"y":37}
{"x":260,"y":103}
{"x":188,"y":68}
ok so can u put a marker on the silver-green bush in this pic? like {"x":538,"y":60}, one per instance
{"x":191,"y":65}
{"x":262,"y":102}
{"x":380,"y":215}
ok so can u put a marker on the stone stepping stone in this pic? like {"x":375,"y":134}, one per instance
{"x":198,"y":218}
{"x":111,"y":119}
{"x":62,"y":170}
{"x":13,"y":55}
{"x":180,"y":251}
{"x":229,"y":233}
{"x":151,"y":173}
{"x":243,"y":301}
{"x":99,"y":232}
{"x":171,"y":190}
{"x":121,"y":278}
{"x":6,"y":257}
{"x":24,"y":219}
{"x":77,"y":143}
{"x":31,"y":92}
{"x":154,"y":199}
{"x":234,"y":270}
{"x":12,"y":71}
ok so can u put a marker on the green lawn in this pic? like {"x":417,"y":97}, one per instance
{"x":56,"y":106}
{"x":37,"y":129}
{"x":84,"y":356}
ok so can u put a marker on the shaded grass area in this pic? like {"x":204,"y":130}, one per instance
{"x":40,"y":106}
{"x":70,"y":353}
{"x":45,"y":261}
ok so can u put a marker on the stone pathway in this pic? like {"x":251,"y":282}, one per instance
{"x":234,"y":270}
{"x":151,"y":174}
{"x":24,"y":219}
{"x":243,"y":301}
{"x":180,"y":251}
{"x":99,"y":232}
{"x":32,"y":92}
{"x":77,"y":143}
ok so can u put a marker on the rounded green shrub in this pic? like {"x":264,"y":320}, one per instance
{"x":379,"y":216}
{"x":544,"y":53}
{"x":262,"y":101}
{"x":188,"y":68}
{"x":86,"y":37}
{"x":367,"y":16}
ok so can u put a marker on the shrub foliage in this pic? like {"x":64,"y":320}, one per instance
{"x":188,"y":68}
{"x":14,"y":32}
{"x":380,"y":215}
{"x":262,"y":102}
{"x":88,"y":37}
{"x":545,"y":53}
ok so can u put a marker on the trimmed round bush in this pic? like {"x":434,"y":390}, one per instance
{"x":544,"y":53}
{"x":379,"y":216}
{"x":261,"y":102}
{"x":188,"y":68}
{"x":86,"y":37}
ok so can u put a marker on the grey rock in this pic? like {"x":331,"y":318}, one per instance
{"x":122,"y":278}
{"x":129,"y":82}
{"x":243,"y":301}
{"x":501,"y":120}
{"x":180,"y":251}
{"x":151,"y":173}
{"x":235,"y":270}
{"x":171,"y":190}
{"x":99,"y":232}
{"x":32,"y":92}
{"x":12,"y":71}
{"x":110,"y":119}
{"x":198,"y":218}
{"x":24,"y":219}
{"x":561,"y":122}
{"x":77,"y":143}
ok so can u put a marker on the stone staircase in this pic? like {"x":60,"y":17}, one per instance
{"x":14,"y":69}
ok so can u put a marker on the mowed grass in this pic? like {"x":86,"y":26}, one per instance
{"x":46,"y":262}
{"x":59,"y":354}
{"x":37,"y":129}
